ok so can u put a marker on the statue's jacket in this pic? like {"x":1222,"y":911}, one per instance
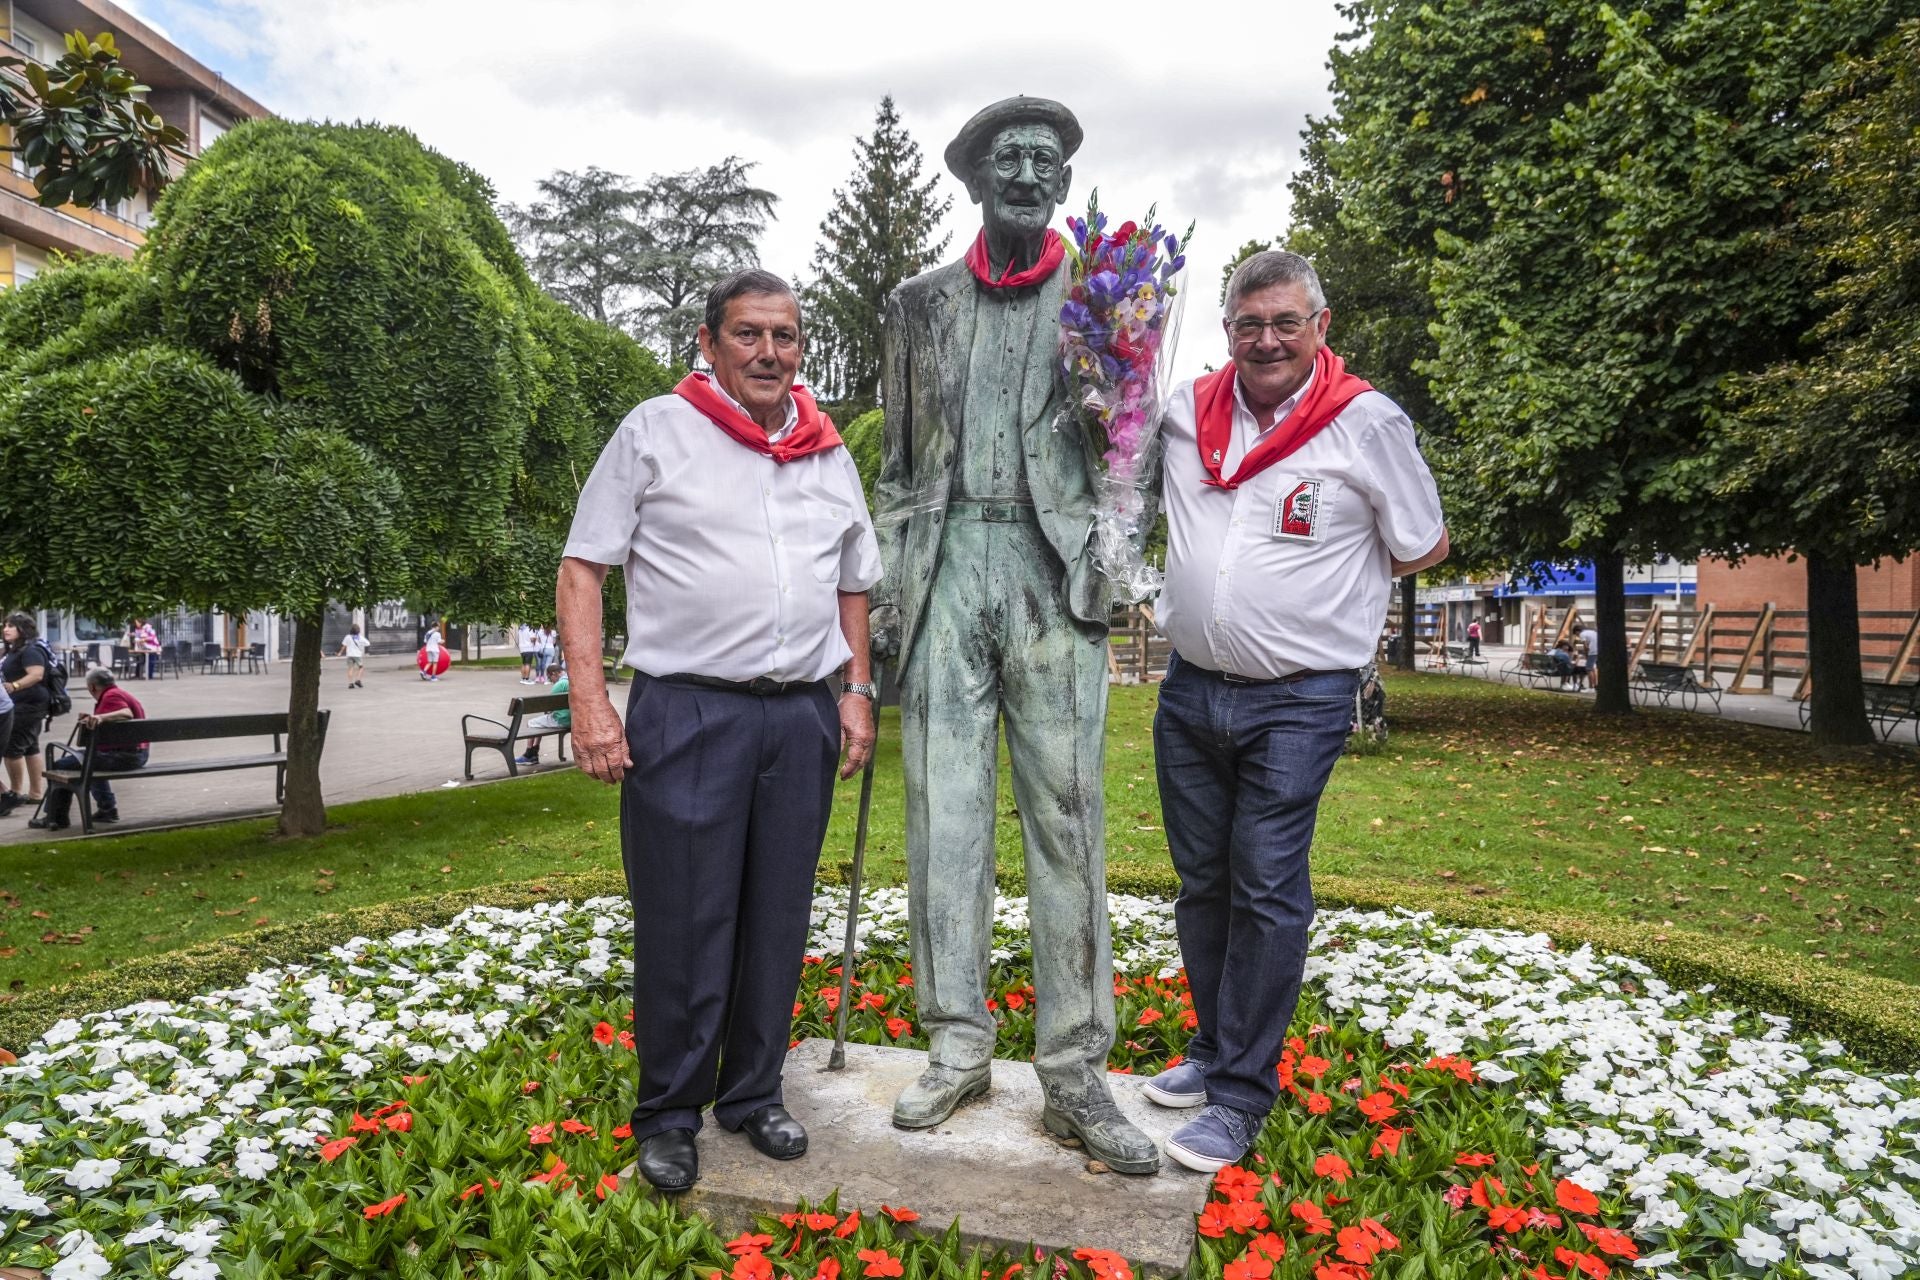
{"x":928,"y":337}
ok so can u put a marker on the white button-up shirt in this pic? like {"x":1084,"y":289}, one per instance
{"x":734,"y":562}
{"x":1292,"y":570}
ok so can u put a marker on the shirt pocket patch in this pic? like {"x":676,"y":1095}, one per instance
{"x":827,"y":525}
{"x":1301,"y":512}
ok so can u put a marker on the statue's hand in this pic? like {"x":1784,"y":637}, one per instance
{"x":883,"y":622}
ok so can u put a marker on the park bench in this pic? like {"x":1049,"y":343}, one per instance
{"x":515,"y":729}
{"x":1459,"y":654}
{"x":1669,"y":680}
{"x":1889,"y":705}
{"x":131,"y":733}
{"x":1533,"y":668}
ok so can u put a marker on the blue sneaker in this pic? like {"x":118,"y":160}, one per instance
{"x":1184,"y":1085}
{"x":1221,"y":1136}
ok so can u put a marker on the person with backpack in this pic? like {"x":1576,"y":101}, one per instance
{"x":26,"y":670}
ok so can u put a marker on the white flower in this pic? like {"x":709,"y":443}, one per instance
{"x":1756,"y":1248}
{"x":195,"y":1269}
{"x":255,"y":1164}
{"x":1876,"y":1262}
{"x":147,"y":1234}
{"x":80,"y":1259}
{"x":25,"y":1134}
{"x":91,"y":1175}
{"x":1825,"y":1237}
{"x":201,"y":1193}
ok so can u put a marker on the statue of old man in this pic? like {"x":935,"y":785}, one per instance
{"x":996,"y":613}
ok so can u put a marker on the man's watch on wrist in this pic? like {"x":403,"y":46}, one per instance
{"x":865,"y":690}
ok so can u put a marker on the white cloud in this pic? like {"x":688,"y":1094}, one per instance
{"x":1197,"y":106}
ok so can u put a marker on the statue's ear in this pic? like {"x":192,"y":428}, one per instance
{"x":976,"y":189}
{"x":1063,"y":184}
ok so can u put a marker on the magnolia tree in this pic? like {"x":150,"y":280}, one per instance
{"x":328,"y":378}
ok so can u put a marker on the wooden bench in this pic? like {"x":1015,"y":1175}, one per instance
{"x":129,"y":734}
{"x":1669,"y":680}
{"x":1535,"y":668}
{"x":515,"y":730}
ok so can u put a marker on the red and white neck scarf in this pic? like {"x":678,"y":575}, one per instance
{"x":811,"y":433}
{"x":1053,"y":251}
{"x":1333,"y":389}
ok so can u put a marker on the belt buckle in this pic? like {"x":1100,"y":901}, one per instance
{"x":1231,"y":678}
{"x":763,"y":685}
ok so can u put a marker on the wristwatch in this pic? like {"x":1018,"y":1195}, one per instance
{"x":866,"y":691}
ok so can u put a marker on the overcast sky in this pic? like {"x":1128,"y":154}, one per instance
{"x":1197,"y":106}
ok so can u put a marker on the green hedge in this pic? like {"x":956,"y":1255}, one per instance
{"x":1877,"y":1019}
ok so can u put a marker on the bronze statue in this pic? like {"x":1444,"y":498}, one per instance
{"x":995,"y":610}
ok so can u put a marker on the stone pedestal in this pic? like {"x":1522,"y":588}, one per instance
{"x":991,"y":1165}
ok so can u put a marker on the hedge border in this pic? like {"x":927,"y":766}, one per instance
{"x":1876,"y":1018}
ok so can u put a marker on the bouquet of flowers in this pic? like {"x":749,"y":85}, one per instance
{"x":1117,"y":333}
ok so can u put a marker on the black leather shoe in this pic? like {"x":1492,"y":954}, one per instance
{"x":48,"y":824}
{"x":775,"y":1133}
{"x":9,"y":801}
{"x":669,"y":1160}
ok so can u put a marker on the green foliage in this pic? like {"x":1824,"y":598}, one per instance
{"x":863,"y":437}
{"x":80,"y":130}
{"x":695,"y":227}
{"x":878,"y":233}
{"x":1246,"y":251}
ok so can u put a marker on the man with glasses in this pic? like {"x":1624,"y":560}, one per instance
{"x":995,"y":610}
{"x":1294,"y":493}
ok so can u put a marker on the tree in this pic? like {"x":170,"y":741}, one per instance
{"x":329,"y":377}
{"x":1244,"y":252}
{"x":583,"y":242}
{"x":878,"y":233}
{"x":1825,"y":446}
{"x":694,"y":228}
{"x":81,"y":132}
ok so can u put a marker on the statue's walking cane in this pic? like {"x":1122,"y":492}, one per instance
{"x":838,"y":1059}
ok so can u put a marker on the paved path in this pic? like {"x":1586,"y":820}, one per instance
{"x":398,"y":734}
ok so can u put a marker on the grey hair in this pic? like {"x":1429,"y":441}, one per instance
{"x":748,"y":280}
{"x":1268,"y":268}
{"x":100,"y":677}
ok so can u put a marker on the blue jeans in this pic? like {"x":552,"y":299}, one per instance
{"x":1241,"y":769}
{"x":60,"y":799}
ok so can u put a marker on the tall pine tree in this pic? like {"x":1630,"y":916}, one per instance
{"x":878,"y":233}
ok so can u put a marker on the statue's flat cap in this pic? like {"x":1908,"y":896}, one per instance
{"x":964,"y":152}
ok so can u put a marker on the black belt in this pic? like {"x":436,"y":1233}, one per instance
{"x":1231,"y":678}
{"x":1008,"y":510}
{"x":761,"y":686}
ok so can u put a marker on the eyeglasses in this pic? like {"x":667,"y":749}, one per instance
{"x":1247,"y":329}
{"x":1045,"y":160}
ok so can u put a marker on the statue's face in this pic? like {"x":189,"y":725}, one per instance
{"x":1021,"y":179}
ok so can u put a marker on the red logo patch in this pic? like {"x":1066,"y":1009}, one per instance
{"x":1298,"y":515}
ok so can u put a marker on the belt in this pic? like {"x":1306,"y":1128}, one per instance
{"x":992,"y":510}
{"x":760,"y":686}
{"x":1231,"y":678}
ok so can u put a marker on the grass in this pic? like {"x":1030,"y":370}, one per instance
{"x":1487,"y":792}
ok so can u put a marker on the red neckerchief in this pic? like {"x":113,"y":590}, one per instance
{"x":1332,"y":390}
{"x":1052,"y":253}
{"x":812,"y":433}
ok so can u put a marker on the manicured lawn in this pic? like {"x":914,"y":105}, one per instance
{"x":1501,"y":794}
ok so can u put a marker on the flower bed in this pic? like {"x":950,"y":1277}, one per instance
{"x":1459,"y":1103}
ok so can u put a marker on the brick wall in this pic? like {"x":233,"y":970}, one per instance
{"x":1886,"y":584}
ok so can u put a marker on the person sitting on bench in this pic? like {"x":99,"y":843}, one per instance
{"x":110,"y":702}
{"x":557,"y":720}
{"x":1562,"y":655}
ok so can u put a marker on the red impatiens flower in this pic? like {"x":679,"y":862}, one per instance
{"x":752,"y":1266}
{"x":879,"y":1263}
{"x":899,"y":1214}
{"x":1378,"y":1107}
{"x":1016,"y":999}
{"x":478,"y":1187}
{"x":1473,"y":1160}
{"x":1249,"y":1266}
{"x":576,"y":1126}
{"x":1319,"y":1104}
{"x":411,"y":1081}
{"x":331,"y":1151}
{"x":829,"y":1269}
{"x":1313,"y":1219}
{"x":1236,"y":1183}
{"x":747,"y":1242}
{"x":1387,"y":1141}
{"x":559,"y":1167}
{"x":362,"y":1124}
{"x":626,"y":1041}
{"x":847,"y":1228}
{"x":1332,"y":1165}
{"x":538,"y":1135}
{"x":1486,"y":1188}
{"x":1339,"y":1271}
{"x":385,"y":1207}
{"x":1105,"y":1264}
{"x":898,"y":1027}
{"x":1148,"y":1017}
{"x":529,"y":1086}
{"x":1508,"y":1218}
{"x":1609,"y":1241}
{"x":1358,"y":1245}
{"x":1577,"y":1263}
{"x":400,"y":1122}
{"x":603,"y":1033}
{"x":1190,"y":1019}
{"x":1575,"y":1198}
{"x":623,"y":1131}
{"x":608,"y":1184}
{"x":1312,"y":1068}
{"x":389,"y":1109}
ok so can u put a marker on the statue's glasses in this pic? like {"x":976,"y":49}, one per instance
{"x":1247,"y":329}
{"x":1045,"y":161}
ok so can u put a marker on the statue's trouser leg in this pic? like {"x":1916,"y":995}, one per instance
{"x":948,"y":704}
{"x":721,"y":821}
{"x":1241,"y":768}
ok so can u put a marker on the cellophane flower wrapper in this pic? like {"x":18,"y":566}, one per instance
{"x":1117,"y":336}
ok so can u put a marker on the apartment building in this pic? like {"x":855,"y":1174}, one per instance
{"x":188,"y":95}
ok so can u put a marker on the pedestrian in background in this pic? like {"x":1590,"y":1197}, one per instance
{"x":529,"y":641}
{"x":24,"y":663}
{"x":146,"y":650}
{"x":353,"y":647}
{"x":1473,"y":638}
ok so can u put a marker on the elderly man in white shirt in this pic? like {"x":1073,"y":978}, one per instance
{"x":748,"y":551}
{"x":1294,"y":494}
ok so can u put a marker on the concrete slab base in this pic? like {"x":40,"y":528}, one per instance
{"x":992,"y":1165}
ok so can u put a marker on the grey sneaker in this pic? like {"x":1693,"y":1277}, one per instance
{"x":1221,"y":1136}
{"x":1108,"y":1136}
{"x":932,"y":1097}
{"x":1181,"y":1086}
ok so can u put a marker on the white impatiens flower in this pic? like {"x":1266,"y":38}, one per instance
{"x":195,"y":1269}
{"x":25,"y":1134}
{"x":1756,"y":1248}
{"x":91,"y":1175}
{"x":146,"y":1235}
{"x":80,"y":1258}
{"x":255,"y":1160}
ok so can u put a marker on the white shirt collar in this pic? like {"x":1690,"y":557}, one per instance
{"x":793,"y":410}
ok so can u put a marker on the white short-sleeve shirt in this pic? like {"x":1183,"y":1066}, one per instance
{"x":734,"y":562}
{"x":1292,"y":570}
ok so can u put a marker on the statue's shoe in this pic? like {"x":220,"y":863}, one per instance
{"x":1108,"y":1136}
{"x":932,"y":1098}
